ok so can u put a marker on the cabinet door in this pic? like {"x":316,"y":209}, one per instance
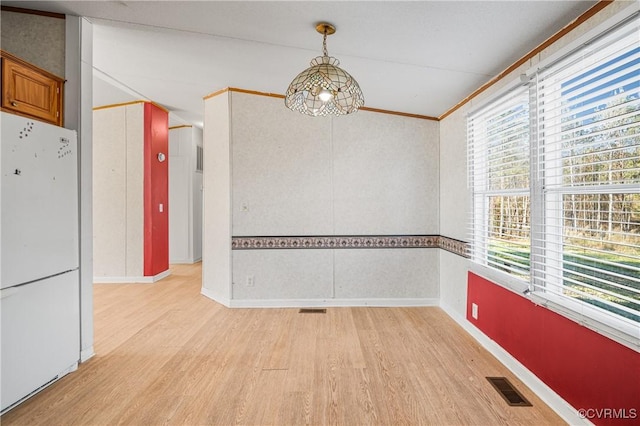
{"x":29,"y":92}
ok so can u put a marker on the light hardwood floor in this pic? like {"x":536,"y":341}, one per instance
{"x":167,"y":355}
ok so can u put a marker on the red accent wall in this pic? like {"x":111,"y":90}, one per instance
{"x":588,"y":370}
{"x":156,"y":190}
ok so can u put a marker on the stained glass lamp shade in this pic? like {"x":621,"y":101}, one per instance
{"x":324,"y":88}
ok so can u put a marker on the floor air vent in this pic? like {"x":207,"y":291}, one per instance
{"x":312,"y":311}
{"x":508,"y":392}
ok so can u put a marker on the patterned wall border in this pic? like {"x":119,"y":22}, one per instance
{"x":351,"y":242}
{"x":461,"y":248}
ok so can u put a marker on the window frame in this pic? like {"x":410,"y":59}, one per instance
{"x":480,"y":183}
{"x":542,"y":201}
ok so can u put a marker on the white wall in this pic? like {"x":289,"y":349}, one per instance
{"x":197,"y":188}
{"x":281,"y":163}
{"x":118,"y":194}
{"x":180,"y":195}
{"x":216,"y":233}
{"x":79,"y":115}
{"x":185,"y":196}
{"x":385,"y":174}
{"x":366,"y":174}
{"x":454,"y":204}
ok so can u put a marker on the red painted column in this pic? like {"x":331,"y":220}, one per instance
{"x":156,"y":190}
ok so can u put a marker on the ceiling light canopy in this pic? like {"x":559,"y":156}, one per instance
{"x":324,"y":88}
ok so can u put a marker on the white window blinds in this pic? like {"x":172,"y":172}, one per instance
{"x":554,"y":170}
{"x":499,"y":175}
{"x":589,"y":171}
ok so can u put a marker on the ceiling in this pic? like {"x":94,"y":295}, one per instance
{"x":418,"y":57}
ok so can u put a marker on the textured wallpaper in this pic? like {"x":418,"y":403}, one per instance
{"x":366,"y":174}
{"x":37,"y":39}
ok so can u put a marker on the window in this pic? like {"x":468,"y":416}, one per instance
{"x":554,"y":169}
{"x":499,"y":166}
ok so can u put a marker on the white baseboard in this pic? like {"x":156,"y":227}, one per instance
{"x":544,"y":392}
{"x":184,"y":261}
{"x":73,"y":367}
{"x":312,"y":303}
{"x":128,"y":280}
{"x":86,"y":354}
{"x":211,"y":295}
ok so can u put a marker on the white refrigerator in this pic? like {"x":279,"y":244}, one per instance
{"x":39,"y":257}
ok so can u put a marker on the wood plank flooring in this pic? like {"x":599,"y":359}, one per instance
{"x":167,"y":355}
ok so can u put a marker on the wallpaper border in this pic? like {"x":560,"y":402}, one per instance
{"x":350,"y":242}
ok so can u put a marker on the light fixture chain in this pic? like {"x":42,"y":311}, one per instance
{"x":324,"y":43}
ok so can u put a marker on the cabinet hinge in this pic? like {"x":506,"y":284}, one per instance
{"x":57,"y":90}
{"x":57,"y":113}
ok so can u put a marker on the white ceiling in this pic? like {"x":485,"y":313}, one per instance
{"x":420,"y":57}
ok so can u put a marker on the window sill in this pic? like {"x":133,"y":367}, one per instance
{"x":626,"y":333}
{"x":500,"y":278}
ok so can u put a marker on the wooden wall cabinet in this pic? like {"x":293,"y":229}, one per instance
{"x":31,"y":91}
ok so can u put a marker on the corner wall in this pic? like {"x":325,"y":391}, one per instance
{"x":454,"y":206}
{"x":79,"y":115}
{"x":361,"y":187}
{"x":587,"y":369}
{"x":216,"y":222}
{"x":130,"y":197}
{"x":513,"y":328}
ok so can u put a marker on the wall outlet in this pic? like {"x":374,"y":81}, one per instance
{"x":474,"y":311}
{"x":250,"y":281}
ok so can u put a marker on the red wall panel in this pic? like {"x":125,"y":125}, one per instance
{"x":156,"y":190}
{"x":587,"y":369}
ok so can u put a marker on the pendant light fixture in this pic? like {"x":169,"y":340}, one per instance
{"x":324,"y":88}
